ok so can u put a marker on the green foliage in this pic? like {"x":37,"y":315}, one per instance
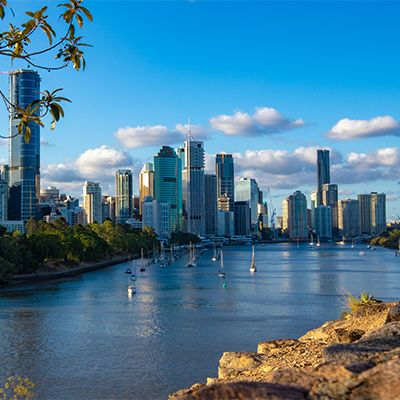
{"x":21,"y":42}
{"x":354,"y":303}
{"x":388,"y":239}
{"x":182,"y":238}
{"x":57,"y":241}
{"x":17,"y":388}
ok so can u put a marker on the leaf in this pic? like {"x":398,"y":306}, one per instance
{"x":27,"y":135}
{"x":87,"y":13}
{"x":79,"y":20}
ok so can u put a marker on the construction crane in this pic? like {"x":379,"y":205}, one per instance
{"x":272,"y":211}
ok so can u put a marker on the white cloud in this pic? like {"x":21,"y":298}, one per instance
{"x":264,"y":121}
{"x":44,"y":142}
{"x":149,"y":135}
{"x":347,"y":129}
{"x":198,"y":132}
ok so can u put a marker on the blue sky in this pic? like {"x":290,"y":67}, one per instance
{"x":153,"y":64}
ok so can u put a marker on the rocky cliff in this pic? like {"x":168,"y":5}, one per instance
{"x":354,"y":358}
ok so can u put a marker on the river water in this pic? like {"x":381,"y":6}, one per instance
{"x":82,"y":338}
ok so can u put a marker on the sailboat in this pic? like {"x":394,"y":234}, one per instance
{"x":142,"y":265}
{"x":353,"y":244}
{"x":297,"y":245}
{"x":318,"y":242}
{"x":312,"y":240}
{"x":221,"y":272}
{"x":131,"y":290}
{"x":192,"y":258}
{"x":215,"y":256}
{"x":133,"y":273}
{"x":253,"y":263}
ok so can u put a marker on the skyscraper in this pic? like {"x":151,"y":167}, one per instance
{"x":193,"y":197}
{"x":24,"y":157}
{"x":364,"y":204}
{"x":92,"y":202}
{"x":3,"y":200}
{"x":146,"y":183}
{"x":123,"y":195}
{"x":225,"y":171}
{"x":378,"y":213}
{"x":210,"y":190}
{"x":330,"y":199}
{"x":348,"y":218}
{"x":247,"y":190}
{"x":323,"y":222}
{"x":242,"y":218}
{"x":168,"y":183}
{"x":324,"y":175}
{"x":294,"y":215}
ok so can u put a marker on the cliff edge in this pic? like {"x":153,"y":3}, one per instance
{"x":354,"y":358}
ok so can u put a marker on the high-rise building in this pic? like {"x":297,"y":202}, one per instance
{"x":157,"y":216}
{"x":24,"y":156}
{"x":92,"y":202}
{"x":247,"y":190}
{"x":223,"y":203}
{"x":210,"y":190}
{"x":330,"y":199}
{"x":5,"y":173}
{"x":294,"y":215}
{"x":348,"y":218}
{"x":323,"y":222}
{"x":123,"y":195}
{"x":364,"y":204}
{"x":193,"y":197}
{"x":146,"y":183}
{"x":168,"y":183}
{"x":241,"y":211}
{"x":226,"y":223}
{"x":314,"y":197}
{"x":225,"y":172}
{"x":3,"y":200}
{"x":324,"y":175}
{"x":378,"y":213}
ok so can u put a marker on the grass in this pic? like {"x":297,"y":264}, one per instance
{"x":354,"y":303}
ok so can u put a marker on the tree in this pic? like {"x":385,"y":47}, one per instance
{"x":18,"y":43}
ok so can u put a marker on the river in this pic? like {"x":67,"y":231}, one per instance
{"x":82,"y":338}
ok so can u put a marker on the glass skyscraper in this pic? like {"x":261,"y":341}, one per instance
{"x":247,"y":190}
{"x":123,"y":195}
{"x":24,"y":157}
{"x":168,"y":183}
{"x":225,"y":171}
{"x":324,"y":174}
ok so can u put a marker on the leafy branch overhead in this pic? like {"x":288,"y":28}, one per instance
{"x":18,"y":43}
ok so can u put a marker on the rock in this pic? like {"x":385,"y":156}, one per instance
{"x":393,"y":314}
{"x":245,"y":391}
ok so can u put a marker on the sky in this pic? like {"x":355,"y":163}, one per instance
{"x":269,"y":82}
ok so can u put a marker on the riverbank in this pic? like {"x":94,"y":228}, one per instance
{"x":64,"y":271}
{"x":351,"y":359}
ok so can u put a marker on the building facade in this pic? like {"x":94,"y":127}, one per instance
{"x":123,"y":195}
{"x":24,"y":156}
{"x":323,"y":170}
{"x":210,"y":193}
{"x":3,"y":200}
{"x":247,"y":190}
{"x":330,"y":199}
{"x":225,"y":172}
{"x":323,"y":222}
{"x":294,"y":215}
{"x":146,"y":183}
{"x":378,"y":213}
{"x":242,"y":218}
{"x":364,"y":204}
{"x":92,"y":203}
{"x":168,"y":183}
{"x":348,"y":218}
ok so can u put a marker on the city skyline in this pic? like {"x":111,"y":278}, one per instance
{"x":268,"y":114}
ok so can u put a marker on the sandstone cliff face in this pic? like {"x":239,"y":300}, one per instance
{"x":355,"y":358}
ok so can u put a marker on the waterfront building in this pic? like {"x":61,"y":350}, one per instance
{"x":50,"y":192}
{"x":5,"y":173}
{"x":3,"y":200}
{"x":323,"y":222}
{"x":364,"y":203}
{"x":92,"y":202}
{"x":279,"y":222}
{"x":223,"y":203}
{"x":24,"y":174}
{"x":193,"y":196}
{"x":226,"y":223}
{"x":294,"y":218}
{"x":225,"y":172}
{"x":123,"y":195}
{"x":157,"y":216}
{"x":247,"y":190}
{"x":168,"y":183}
{"x":348,"y":218}
{"x":378,"y":213}
{"x":210,"y":192}
{"x":324,"y":175}
{"x":314,"y":200}
{"x":330,"y":199}
{"x":12,"y":226}
{"x":146,"y":183}
{"x":242,"y":216}
{"x":262,"y":215}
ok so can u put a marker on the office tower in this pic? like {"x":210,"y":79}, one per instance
{"x":225,"y":171}
{"x":364,"y":204}
{"x":314,"y":199}
{"x":262,"y":216}
{"x":3,"y":200}
{"x":24,"y":157}
{"x":5,"y":173}
{"x":123,"y":195}
{"x":193,"y":197}
{"x":146,"y":183}
{"x":378,"y":213}
{"x":168,"y":183}
{"x":223,"y":203}
{"x":348,"y":218}
{"x":157,"y":216}
{"x":324,"y":175}
{"x":247,"y":190}
{"x":330,"y":199}
{"x":50,"y":192}
{"x":242,"y":215}
{"x":226,"y":223}
{"x":210,"y":191}
{"x":294,"y":218}
{"x":323,"y":222}
{"x":92,"y":202}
